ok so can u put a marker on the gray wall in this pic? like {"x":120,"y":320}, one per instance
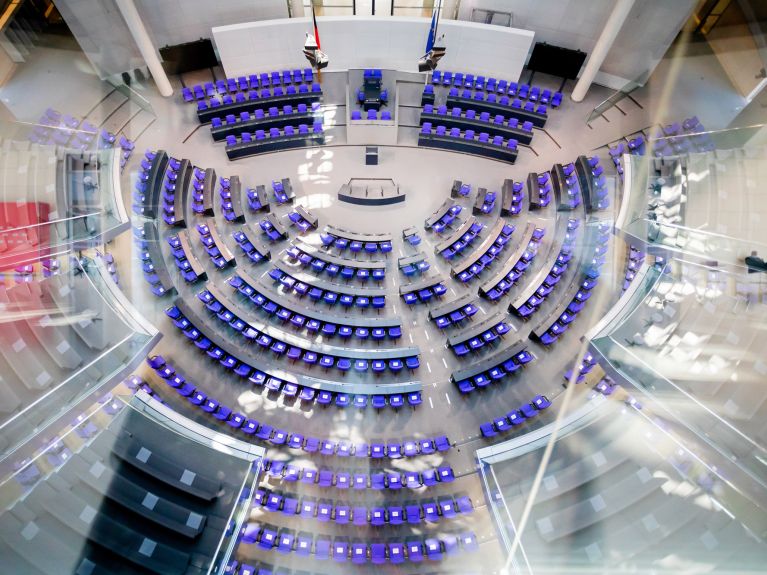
{"x":646,"y":35}
{"x":103,"y":35}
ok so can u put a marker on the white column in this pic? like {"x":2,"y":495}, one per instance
{"x":138,"y":31}
{"x":296,"y":8}
{"x":604,"y":43}
{"x":449,"y":9}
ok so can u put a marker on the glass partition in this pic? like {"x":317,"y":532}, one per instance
{"x":73,"y":507}
{"x":66,"y":336}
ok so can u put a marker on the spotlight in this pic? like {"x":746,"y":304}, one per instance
{"x":317,"y":58}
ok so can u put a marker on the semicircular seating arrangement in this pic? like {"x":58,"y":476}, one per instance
{"x":390,"y":312}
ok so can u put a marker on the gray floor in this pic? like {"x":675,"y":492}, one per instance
{"x":425,"y":176}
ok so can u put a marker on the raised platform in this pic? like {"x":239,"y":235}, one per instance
{"x":371,"y":192}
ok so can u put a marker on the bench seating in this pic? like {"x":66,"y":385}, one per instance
{"x":492,"y":368}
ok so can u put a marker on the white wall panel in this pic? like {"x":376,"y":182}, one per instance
{"x":365,"y":42}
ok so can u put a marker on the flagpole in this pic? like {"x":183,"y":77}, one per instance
{"x":317,"y":38}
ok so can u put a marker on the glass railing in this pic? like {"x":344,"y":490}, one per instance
{"x":66,"y":338}
{"x":72,"y":507}
{"x":619,"y":493}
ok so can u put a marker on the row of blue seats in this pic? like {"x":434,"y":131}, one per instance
{"x":494,"y":373}
{"x":515,"y":417}
{"x":503,"y":285}
{"x":488,"y":202}
{"x":219,"y":254}
{"x":463,"y":242}
{"x":544,"y":189}
{"x":424,"y":293}
{"x":295,"y":352}
{"x":523,"y":91}
{"x":148,"y":266}
{"x":379,"y":480}
{"x":517,"y":197}
{"x":276,"y":384}
{"x":599,"y":184}
{"x":456,"y":316}
{"x":372,"y":114}
{"x":540,"y":109}
{"x":259,"y":114}
{"x":170,"y":181}
{"x":231,"y":212}
{"x":360,"y":553}
{"x":486,"y":259}
{"x":300,"y":222}
{"x":243,"y":83}
{"x":355,"y":246}
{"x":447,"y":219}
{"x":269,"y":434}
{"x":271,"y":231}
{"x":326,"y":478}
{"x":633,"y":263}
{"x":255,"y":95}
{"x":470,"y":114}
{"x":476,"y":343}
{"x":533,"y":303}
{"x":342,"y":513}
{"x":304,"y":320}
{"x":584,"y":368}
{"x":253,"y":253}
{"x":483,"y":138}
{"x":287,"y":132}
{"x":549,"y":334}
{"x":330,"y":297}
{"x":347,"y":272}
{"x":190,"y":272}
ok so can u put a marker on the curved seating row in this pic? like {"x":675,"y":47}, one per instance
{"x":202,"y":192}
{"x":283,"y":191}
{"x":529,"y":301}
{"x":411,"y":265}
{"x":244,"y":83}
{"x":356,"y":242}
{"x":295,"y":348}
{"x":503,"y":105}
{"x":477,"y":336}
{"x":455,"y":311}
{"x":559,"y":319}
{"x":567,"y":189}
{"x":460,"y":238}
{"x":259,"y":119}
{"x":515,"y":266}
{"x":341,"y":550}
{"x":515,"y":417}
{"x":250,"y":245}
{"x":319,"y":261}
{"x":341,"y":513}
{"x":633,"y":263}
{"x":186,"y":261}
{"x":493,"y":368}
{"x":146,"y":197}
{"x":487,"y":252}
{"x":176,"y":183}
{"x":327,"y":478}
{"x":214,"y":245}
{"x":231,"y":199}
{"x":539,"y":190}
{"x":330,"y":293}
{"x":485,"y":201}
{"x":146,"y":239}
{"x":468,"y":142}
{"x":443,"y":216}
{"x":512,"y":197}
{"x":303,"y":219}
{"x":244,"y":101}
{"x":469,"y":119}
{"x":273,"y":228}
{"x":584,"y":368}
{"x":258,"y":201}
{"x":372,"y":114}
{"x":274,"y":304}
{"x":423,"y":289}
{"x":258,"y":143}
{"x":524,"y":91}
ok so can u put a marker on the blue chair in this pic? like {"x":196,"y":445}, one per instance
{"x":386,"y":115}
{"x":356,"y":115}
{"x":372,"y":115}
